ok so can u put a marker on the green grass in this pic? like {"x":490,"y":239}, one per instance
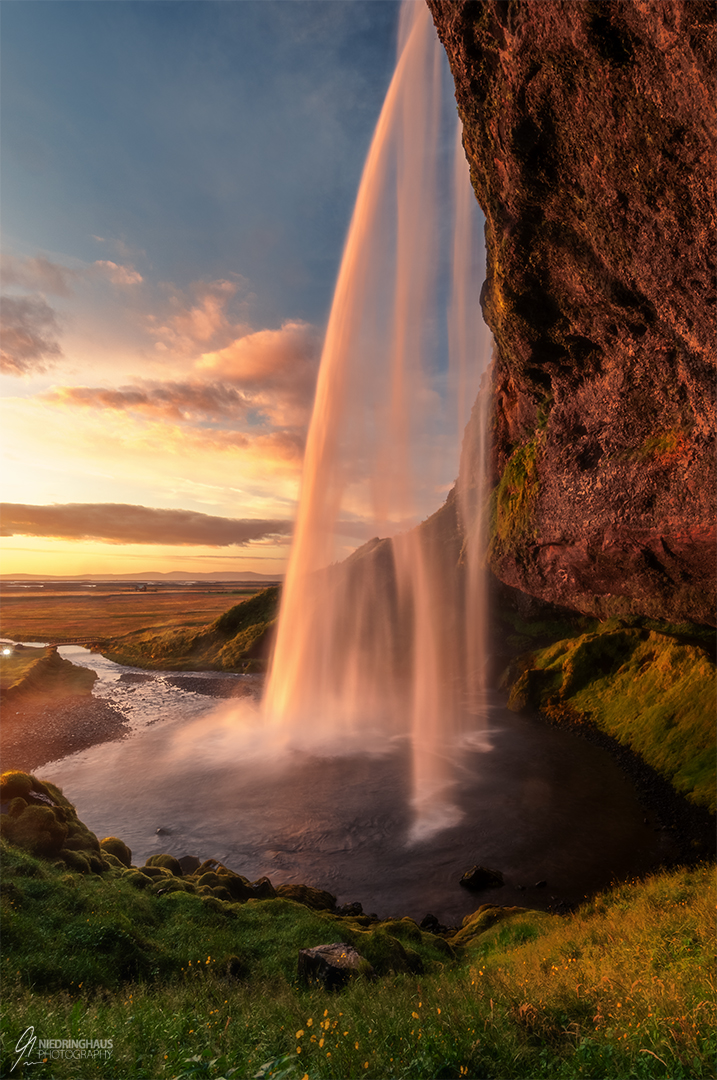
{"x":237,"y":640}
{"x":187,"y":984}
{"x":651,"y":686}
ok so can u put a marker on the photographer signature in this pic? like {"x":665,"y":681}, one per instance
{"x":26,"y":1047}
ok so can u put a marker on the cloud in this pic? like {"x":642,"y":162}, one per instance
{"x":183,"y":401}
{"x":198,"y":318}
{"x":118,"y":275}
{"x":28,"y":326}
{"x":37,"y":274}
{"x":263,"y":384}
{"x":119,"y":523}
{"x":277,"y":368}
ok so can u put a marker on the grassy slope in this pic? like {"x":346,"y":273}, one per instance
{"x":236,"y":641}
{"x":32,"y":672}
{"x":649,"y":685}
{"x":188,"y":984}
{"x":17,"y":665}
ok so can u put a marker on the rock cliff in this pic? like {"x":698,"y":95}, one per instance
{"x":590,"y":132}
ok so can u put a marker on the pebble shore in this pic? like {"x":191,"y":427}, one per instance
{"x":37,"y":730}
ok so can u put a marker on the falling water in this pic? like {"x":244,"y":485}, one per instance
{"x":381,"y":644}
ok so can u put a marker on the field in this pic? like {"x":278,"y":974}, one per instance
{"x":81,"y":614}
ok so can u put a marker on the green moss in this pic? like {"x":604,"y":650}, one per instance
{"x":513,"y":500}
{"x":652,"y":691}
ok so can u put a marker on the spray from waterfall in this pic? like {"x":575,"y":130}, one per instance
{"x":374,"y":645}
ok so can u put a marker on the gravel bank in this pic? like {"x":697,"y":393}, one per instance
{"x":37,"y":730}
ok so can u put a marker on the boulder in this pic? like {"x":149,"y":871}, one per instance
{"x":480,"y":877}
{"x":331,"y":966}
{"x":112,"y":845}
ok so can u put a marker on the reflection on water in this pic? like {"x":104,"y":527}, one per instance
{"x":535,"y":803}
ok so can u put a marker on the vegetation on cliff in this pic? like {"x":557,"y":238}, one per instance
{"x":238,"y":640}
{"x":186,"y":982}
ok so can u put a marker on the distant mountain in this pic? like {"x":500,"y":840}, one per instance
{"x":146,"y":575}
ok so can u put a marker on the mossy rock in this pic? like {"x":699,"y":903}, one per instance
{"x":168,"y":862}
{"x":15,"y":784}
{"x":167,"y":885}
{"x":318,"y":899}
{"x":34,"y":828}
{"x":483,"y":919}
{"x":112,"y":845}
{"x":42,"y":821}
{"x":386,"y":954}
{"x":155,"y":872}
{"x":137,"y":879}
{"x":406,"y":929}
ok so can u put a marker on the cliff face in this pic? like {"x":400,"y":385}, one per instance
{"x":590,"y":131}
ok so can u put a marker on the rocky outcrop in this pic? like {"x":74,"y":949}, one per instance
{"x":590,"y":132}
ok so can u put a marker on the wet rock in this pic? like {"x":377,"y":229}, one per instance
{"x":189,"y":863}
{"x":350,"y":910}
{"x":331,"y":966}
{"x":431,"y":924}
{"x":480,"y":877}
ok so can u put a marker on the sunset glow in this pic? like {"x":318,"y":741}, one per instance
{"x":162,"y":329}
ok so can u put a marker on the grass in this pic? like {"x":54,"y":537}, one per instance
{"x":17,"y":665}
{"x":100,"y":614}
{"x":186,"y":986}
{"x":235,"y":641}
{"x":32,"y":672}
{"x":651,"y":686}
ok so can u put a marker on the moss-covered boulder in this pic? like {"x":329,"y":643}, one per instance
{"x":318,"y":899}
{"x":168,"y":862}
{"x":41,"y":820}
{"x":112,"y":845}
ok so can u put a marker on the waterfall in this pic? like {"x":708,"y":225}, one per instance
{"x":387,"y":642}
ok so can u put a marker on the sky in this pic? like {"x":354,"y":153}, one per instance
{"x":177,"y":179}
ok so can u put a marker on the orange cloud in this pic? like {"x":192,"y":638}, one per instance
{"x":277,"y":368}
{"x":118,"y":275}
{"x":119,"y":523}
{"x":28,"y":326}
{"x":198,"y":319}
{"x":174,"y":400}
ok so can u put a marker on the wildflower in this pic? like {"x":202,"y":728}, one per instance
{"x":299,"y":1033}
{"x":309,"y":1022}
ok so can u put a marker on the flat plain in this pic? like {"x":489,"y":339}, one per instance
{"x":75,"y":613}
